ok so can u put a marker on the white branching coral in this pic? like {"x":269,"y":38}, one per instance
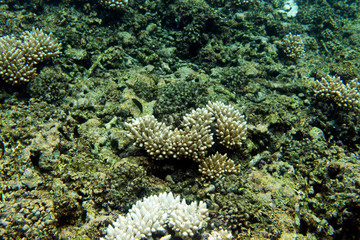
{"x":14,"y":67}
{"x":156,"y":215}
{"x":346,"y":96}
{"x":231,"y":125}
{"x":19,"y":57}
{"x":220,"y":235}
{"x":218,"y":165}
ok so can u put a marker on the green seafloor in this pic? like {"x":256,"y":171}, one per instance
{"x":68,"y":169}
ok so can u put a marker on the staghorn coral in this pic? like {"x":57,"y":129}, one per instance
{"x":218,"y":165}
{"x":231,"y":125}
{"x":18,"y":57}
{"x":332,"y":88}
{"x":293,"y":46}
{"x":156,"y":215}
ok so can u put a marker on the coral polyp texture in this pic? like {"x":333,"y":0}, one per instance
{"x":152,"y":135}
{"x":39,"y":46}
{"x":158,"y":214}
{"x":332,"y":88}
{"x":14,"y":67}
{"x":18,"y":57}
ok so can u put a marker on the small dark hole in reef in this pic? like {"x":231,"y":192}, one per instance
{"x":303,"y":227}
{"x":333,"y":171}
{"x":35,"y":158}
{"x":179,"y":170}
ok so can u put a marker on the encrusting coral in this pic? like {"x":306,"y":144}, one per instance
{"x":332,"y":88}
{"x":195,"y":138}
{"x":19,"y":57}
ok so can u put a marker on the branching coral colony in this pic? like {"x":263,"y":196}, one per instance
{"x":165,"y":216}
{"x":19,"y":57}
{"x":194,"y":138}
{"x":331,"y":88}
